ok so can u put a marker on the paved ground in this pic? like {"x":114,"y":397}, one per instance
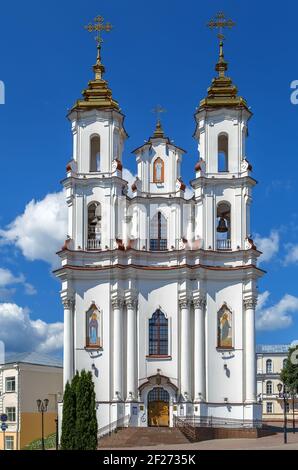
{"x":264,"y":443}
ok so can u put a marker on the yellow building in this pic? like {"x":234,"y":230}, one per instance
{"x":25,"y":378}
{"x":270,"y":361}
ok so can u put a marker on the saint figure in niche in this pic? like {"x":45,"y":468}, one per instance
{"x":158,"y":171}
{"x":93,"y":329}
{"x":225,"y":328}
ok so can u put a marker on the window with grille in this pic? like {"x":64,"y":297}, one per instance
{"x":269,"y":387}
{"x":158,"y":334}
{"x":10,"y":384}
{"x":158,"y":394}
{"x":269,"y":368}
{"x":11,"y":413}
{"x":269,"y":407}
{"x":9,"y":442}
{"x":158,"y":233}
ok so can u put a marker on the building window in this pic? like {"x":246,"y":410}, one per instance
{"x":158,"y":334}
{"x":94,"y":226}
{"x":158,"y":171}
{"x":224,"y":328}
{"x":269,"y":367}
{"x":223,"y":229}
{"x":11,"y":413}
{"x":158,"y":232}
{"x":95,"y":154}
{"x":10,"y":384}
{"x":9,"y":442}
{"x":284,"y":363}
{"x":269,"y":407}
{"x":223,"y":152}
{"x":93,"y":327}
{"x":269,"y":387}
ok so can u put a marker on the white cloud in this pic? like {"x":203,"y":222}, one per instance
{"x":19,"y":333}
{"x":277,"y":316}
{"x":41,"y":230}
{"x":7,"y":279}
{"x":268,"y":245}
{"x":292,"y":254}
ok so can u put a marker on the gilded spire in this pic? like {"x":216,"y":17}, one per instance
{"x":158,"y":133}
{"x":222,"y":92}
{"x":97,"y":95}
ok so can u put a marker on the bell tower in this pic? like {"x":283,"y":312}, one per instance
{"x":223,"y":194}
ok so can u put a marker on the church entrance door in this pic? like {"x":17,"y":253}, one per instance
{"x":158,"y":407}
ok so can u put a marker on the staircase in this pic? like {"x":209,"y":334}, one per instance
{"x":141,"y":437}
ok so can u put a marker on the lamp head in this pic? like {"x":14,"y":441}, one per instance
{"x":279,"y":387}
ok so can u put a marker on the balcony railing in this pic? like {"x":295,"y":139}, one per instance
{"x":93,"y":244}
{"x":224,"y":244}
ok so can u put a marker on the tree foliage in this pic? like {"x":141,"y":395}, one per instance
{"x":289,"y":374}
{"x":79,"y":422}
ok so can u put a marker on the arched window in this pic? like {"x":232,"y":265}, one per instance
{"x":284,"y":363}
{"x":223,"y":152}
{"x":269,"y":368}
{"x":158,"y":334}
{"x":95,"y":153}
{"x":158,"y":232}
{"x":158,"y":171}
{"x":224,"y":328}
{"x":223,"y":229}
{"x":94,"y":226}
{"x":269,"y":387}
{"x":93,"y":328}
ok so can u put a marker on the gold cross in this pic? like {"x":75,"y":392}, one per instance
{"x":158,"y":110}
{"x":220,"y":22}
{"x":98,"y":26}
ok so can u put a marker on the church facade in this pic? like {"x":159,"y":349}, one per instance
{"x":159,"y":290}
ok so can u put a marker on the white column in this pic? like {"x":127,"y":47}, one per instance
{"x":68,"y":352}
{"x":131,"y":350}
{"x":185,"y":364}
{"x":250,"y":351}
{"x":118,"y":349}
{"x":199,"y":349}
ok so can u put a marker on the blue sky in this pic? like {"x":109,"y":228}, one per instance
{"x":159,"y":52}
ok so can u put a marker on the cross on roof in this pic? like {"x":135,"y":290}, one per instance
{"x":220,"y":22}
{"x":98,"y":26}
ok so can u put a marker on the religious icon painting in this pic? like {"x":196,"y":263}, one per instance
{"x":224,"y":327}
{"x":93,"y":327}
{"x":158,"y":171}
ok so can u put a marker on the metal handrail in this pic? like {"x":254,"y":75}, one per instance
{"x":211,"y":421}
{"x":113,"y":426}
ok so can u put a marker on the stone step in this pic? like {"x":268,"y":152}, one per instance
{"x":139,"y":437}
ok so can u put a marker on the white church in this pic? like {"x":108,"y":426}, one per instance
{"x":159,"y":290}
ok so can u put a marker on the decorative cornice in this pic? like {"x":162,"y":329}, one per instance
{"x":131,"y":303}
{"x":184,"y":303}
{"x":250,"y":303}
{"x":117,"y":303}
{"x":199,"y":302}
{"x":68,"y":303}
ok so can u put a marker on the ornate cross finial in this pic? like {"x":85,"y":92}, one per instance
{"x":158,"y":110}
{"x":220,"y":22}
{"x":98,"y":26}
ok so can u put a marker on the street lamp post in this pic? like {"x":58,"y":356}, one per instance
{"x":285,"y":395}
{"x":42,"y":407}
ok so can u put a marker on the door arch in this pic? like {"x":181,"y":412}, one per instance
{"x":158,"y":407}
